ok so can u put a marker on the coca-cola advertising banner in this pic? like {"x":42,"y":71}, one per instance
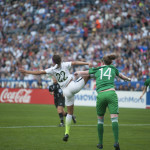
{"x":26,"y":96}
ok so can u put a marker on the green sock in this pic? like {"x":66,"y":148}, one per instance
{"x":115,"y":129}
{"x":68,"y":123}
{"x":100,"y":133}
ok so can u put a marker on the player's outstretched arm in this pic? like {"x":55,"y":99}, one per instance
{"x":124,"y":77}
{"x":73,"y":63}
{"x":144,"y":91}
{"x":32,"y":72}
{"x":81,"y":73}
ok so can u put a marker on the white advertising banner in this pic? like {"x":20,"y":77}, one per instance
{"x":130,"y":99}
{"x":85,"y":98}
{"x":127,"y":99}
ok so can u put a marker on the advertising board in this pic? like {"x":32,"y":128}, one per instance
{"x":126,"y":99}
{"x":26,"y":96}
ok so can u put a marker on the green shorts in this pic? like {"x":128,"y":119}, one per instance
{"x":107,"y":99}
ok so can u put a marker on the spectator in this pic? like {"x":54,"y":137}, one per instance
{"x":137,"y":88}
{"x":121,"y":88}
{"x":31,"y":32}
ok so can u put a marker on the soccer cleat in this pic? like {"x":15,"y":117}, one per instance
{"x":116,"y":146}
{"x":65,"y":138}
{"x":100,"y":146}
{"x":74,"y":119}
{"x":61,"y":125}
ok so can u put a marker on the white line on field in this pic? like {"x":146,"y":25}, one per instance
{"x":53,"y":126}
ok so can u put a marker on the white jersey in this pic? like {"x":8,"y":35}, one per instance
{"x":61,"y":74}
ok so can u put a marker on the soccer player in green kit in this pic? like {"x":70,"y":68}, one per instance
{"x":146,"y":83}
{"x":107,"y":96}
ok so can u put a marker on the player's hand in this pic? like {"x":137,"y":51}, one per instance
{"x":141,"y":96}
{"x":90,"y":65}
{"x":76,"y":73}
{"x":129,"y":79}
{"x":52,"y":93}
{"x":22,"y":70}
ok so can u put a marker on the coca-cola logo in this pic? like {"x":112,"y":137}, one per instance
{"x":20,"y":96}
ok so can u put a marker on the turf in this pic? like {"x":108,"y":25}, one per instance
{"x":33,"y":127}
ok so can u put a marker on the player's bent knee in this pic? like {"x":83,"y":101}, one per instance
{"x":100,"y":117}
{"x":113,"y":115}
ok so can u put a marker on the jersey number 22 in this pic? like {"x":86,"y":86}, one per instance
{"x":61,"y":77}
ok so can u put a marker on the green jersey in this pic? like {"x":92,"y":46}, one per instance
{"x":147,"y":83}
{"x":104,"y":76}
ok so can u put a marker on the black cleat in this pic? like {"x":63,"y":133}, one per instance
{"x":100,"y":146}
{"x":74,"y":119}
{"x":116,"y":146}
{"x":65,"y":138}
{"x":61,"y":125}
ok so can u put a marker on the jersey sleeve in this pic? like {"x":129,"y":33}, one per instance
{"x":117,"y":72}
{"x":49,"y":71}
{"x":93,"y":70}
{"x":67,"y":65}
{"x":147,"y":82}
{"x":115,"y":69}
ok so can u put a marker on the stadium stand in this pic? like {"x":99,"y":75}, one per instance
{"x":32,"y":31}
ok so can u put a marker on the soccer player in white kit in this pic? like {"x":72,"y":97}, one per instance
{"x":61,"y":71}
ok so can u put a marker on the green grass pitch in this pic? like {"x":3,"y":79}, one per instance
{"x":34,"y":127}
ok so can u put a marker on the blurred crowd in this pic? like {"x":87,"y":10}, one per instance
{"x":31,"y":31}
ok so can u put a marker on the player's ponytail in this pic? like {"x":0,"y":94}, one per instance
{"x":109,"y":58}
{"x":112,"y":56}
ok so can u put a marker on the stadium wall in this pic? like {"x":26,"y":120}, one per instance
{"x":26,"y":96}
{"x":127,"y":99}
{"x":25,"y":83}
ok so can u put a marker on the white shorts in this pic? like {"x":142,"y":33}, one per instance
{"x":73,"y":88}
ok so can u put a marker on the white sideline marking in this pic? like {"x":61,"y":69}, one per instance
{"x":53,"y":126}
